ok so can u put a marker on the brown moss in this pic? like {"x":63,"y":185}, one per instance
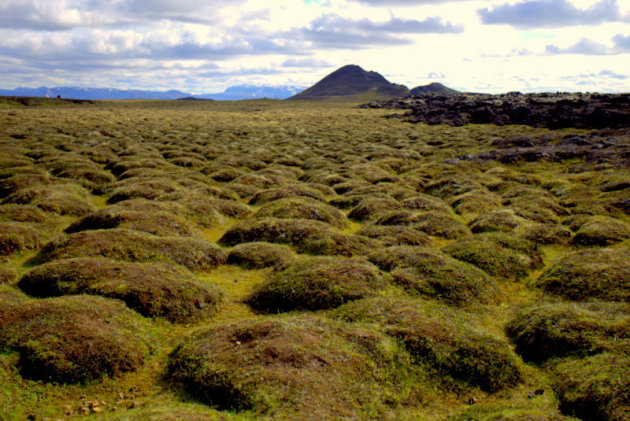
{"x":426,"y":272}
{"x":153,"y":290}
{"x":72,"y":339}
{"x":546,"y":233}
{"x":297,"y":190}
{"x":595,"y":388}
{"x":23,"y":213}
{"x":595,"y":273}
{"x":16,"y":237}
{"x":303,"y":208}
{"x":7,"y":275}
{"x":562,"y":329}
{"x":437,"y":338}
{"x":291,"y":368}
{"x":63,"y":199}
{"x":498,"y":220}
{"x":370,"y":209}
{"x":128,"y":245}
{"x":260,"y":255}
{"x":316,"y":283}
{"x":498,"y":255}
{"x":393,"y":235}
{"x":601,"y":231}
{"x":305,"y":235}
{"x":146,"y":189}
{"x":157,"y":223}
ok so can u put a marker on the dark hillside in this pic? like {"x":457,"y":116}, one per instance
{"x":352,"y":81}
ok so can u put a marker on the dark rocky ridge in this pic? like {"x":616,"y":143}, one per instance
{"x":555,"y":111}
{"x":433,"y":88}
{"x":351,"y":81}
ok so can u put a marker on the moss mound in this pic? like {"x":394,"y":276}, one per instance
{"x":562,"y":329}
{"x":595,"y":388}
{"x":72,"y":339}
{"x":128,"y":245}
{"x":440,"y":339}
{"x":546,"y":233}
{"x":303,"y":208}
{"x":260,"y":255}
{"x":583,"y":275}
{"x":23,"y":213}
{"x":498,"y":220}
{"x":429,"y":273}
{"x":7,"y":275}
{"x":16,"y":237}
{"x":295,"y":190}
{"x":292,"y":368}
{"x":601,"y":231}
{"x":150,"y":189}
{"x":316,"y":283}
{"x":425,"y":202}
{"x":153,"y":290}
{"x":306,"y":236}
{"x":432,"y":222}
{"x":370,"y":209}
{"x":392,"y":235}
{"x":62,"y":199}
{"x":157,"y":223}
{"x":496,"y":257}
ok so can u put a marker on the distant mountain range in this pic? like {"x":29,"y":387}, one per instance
{"x":349,"y":82}
{"x":353,"y":82}
{"x":233,"y":93}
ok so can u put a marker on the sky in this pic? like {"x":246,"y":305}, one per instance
{"x":202,"y":46}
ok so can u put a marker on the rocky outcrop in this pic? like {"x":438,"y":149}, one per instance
{"x":579,"y":110}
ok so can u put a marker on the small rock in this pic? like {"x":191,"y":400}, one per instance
{"x":85,"y":410}
{"x":134,"y":404}
{"x":97,"y":409}
{"x":134,"y":389}
{"x":472,"y":400}
{"x":539,"y":392}
{"x":83,"y":397}
{"x":121,"y":395}
{"x":31,"y":416}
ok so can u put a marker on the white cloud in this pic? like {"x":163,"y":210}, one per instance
{"x":202,"y":45}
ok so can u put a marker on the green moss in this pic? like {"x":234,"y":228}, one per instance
{"x":293,"y":368}
{"x":296,"y":190}
{"x":393,"y":235}
{"x":16,"y":237}
{"x":132,"y":246}
{"x":561,"y":329}
{"x":316,"y":283}
{"x":72,"y":339}
{"x":498,"y":220}
{"x":153,"y":290}
{"x":62,"y":199}
{"x":260,"y":255}
{"x":496,"y":257}
{"x":303,"y":208}
{"x":7,"y":275}
{"x":595,"y":273}
{"x":601,"y":231}
{"x":436,"y":337}
{"x":23,"y":213}
{"x":595,"y":388}
{"x":306,"y":236}
{"x":429,"y":273}
{"x":425,"y":202}
{"x":546,"y":233}
{"x":370,"y":209}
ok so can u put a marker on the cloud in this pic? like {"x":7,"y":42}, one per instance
{"x":389,"y":3}
{"x":622,"y":42}
{"x":305,"y":62}
{"x":551,"y":14}
{"x":584,"y":46}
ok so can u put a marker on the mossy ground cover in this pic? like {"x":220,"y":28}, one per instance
{"x":367,"y":270}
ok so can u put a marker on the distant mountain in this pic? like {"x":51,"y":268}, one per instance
{"x":352,"y":82}
{"x":93,"y":93}
{"x":233,"y":93}
{"x":240,"y":92}
{"x":433,"y":88}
